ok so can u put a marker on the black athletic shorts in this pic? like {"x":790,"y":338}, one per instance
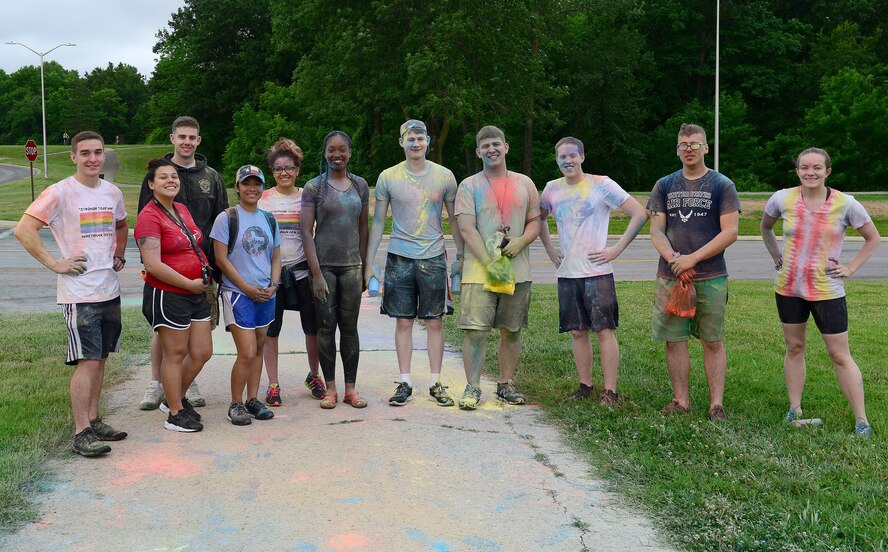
{"x":831,"y":316}
{"x":173,"y":310}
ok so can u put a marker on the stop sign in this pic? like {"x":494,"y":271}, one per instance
{"x":31,"y":150}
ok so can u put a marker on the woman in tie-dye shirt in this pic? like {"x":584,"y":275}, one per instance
{"x":810,"y":275}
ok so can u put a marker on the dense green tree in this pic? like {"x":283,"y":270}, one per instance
{"x":130,"y":92}
{"x":213,"y":59}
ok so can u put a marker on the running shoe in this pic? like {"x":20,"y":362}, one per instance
{"x":105,"y":432}
{"x":187,"y":408}
{"x":238,"y":414}
{"x":273,"y":395}
{"x":403,"y":393}
{"x":86,"y":443}
{"x":471,"y":398}
{"x":717,"y":413}
{"x":316,"y":385}
{"x":439,"y":394}
{"x":582,"y":393}
{"x":182,"y":423}
{"x":258,"y":410}
{"x":153,"y":396}
{"x":608,"y":398}
{"x":508,"y":393}
{"x":863,"y":429}
{"x":193,"y":395}
{"x":675,"y":407}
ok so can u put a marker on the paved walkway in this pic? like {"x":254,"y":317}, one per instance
{"x":420,"y":477}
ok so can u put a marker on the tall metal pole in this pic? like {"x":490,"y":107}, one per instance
{"x":717,"y":60}
{"x":43,"y":100}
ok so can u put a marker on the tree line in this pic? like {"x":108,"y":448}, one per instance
{"x":621,"y":75}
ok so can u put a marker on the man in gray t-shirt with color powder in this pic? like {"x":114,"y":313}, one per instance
{"x":415,"y":268}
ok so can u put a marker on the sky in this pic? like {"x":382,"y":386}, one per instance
{"x":115,"y":31}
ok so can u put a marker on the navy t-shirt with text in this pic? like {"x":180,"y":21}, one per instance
{"x":693,"y":209}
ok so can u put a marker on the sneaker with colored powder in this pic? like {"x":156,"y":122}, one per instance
{"x":153,"y":396}
{"x":403,"y":393}
{"x":316,"y":385}
{"x":471,"y":398}
{"x":440,"y":395}
{"x":238,"y":414}
{"x":273,"y":395}
{"x":86,"y":443}
{"x":508,"y":393}
{"x":258,"y":410}
{"x":863,"y":429}
{"x":105,"y":432}
{"x":193,"y":395}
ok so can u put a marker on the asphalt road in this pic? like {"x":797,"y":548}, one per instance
{"x":26,"y":286}
{"x":8,"y":173}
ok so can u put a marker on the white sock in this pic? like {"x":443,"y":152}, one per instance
{"x":407,"y":379}
{"x":434,"y":378}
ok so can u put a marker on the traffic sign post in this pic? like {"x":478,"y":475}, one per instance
{"x":31,"y":153}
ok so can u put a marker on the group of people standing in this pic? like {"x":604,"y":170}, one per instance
{"x":312,"y":250}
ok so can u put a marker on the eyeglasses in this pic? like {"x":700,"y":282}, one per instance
{"x":693,"y":146}
{"x":288,"y":169}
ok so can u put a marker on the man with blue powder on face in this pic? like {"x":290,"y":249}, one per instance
{"x":415,"y":269}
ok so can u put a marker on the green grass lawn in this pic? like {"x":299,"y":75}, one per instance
{"x":35,"y":410}
{"x":754,"y":482}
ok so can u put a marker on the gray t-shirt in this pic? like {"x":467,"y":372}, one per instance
{"x":337,"y":217}
{"x":416,"y":201}
{"x":693,"y":208}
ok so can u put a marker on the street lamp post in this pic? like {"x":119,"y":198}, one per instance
{"x":43,"y":98}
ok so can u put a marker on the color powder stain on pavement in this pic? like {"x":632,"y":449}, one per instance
{"x":350,"y":500}
{"x":162,"y":461}
{"x":421,"y":537}
{"x":348,"y":541}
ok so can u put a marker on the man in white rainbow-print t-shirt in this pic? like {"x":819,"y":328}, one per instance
{"x":88,"y":221}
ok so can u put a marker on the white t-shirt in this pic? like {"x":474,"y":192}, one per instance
{"x":582,"y":213}
{"x":83,"y":220}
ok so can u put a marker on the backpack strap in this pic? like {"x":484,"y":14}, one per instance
{"x":232,"y":228}
{"x":272,"y":223}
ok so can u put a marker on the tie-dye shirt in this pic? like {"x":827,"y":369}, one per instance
{"x":287,"y":210}
{"x":810,"y":238}
{"x":513,"y":200}
{"x":83,"y":221}
{"x":416,"y":201}
{"x":582,"y":213}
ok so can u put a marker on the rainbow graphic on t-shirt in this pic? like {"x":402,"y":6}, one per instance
{"x":288,"y":222}
{"x":96,"y":222}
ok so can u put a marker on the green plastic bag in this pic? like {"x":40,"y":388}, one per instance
{"x":500,"y":274}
